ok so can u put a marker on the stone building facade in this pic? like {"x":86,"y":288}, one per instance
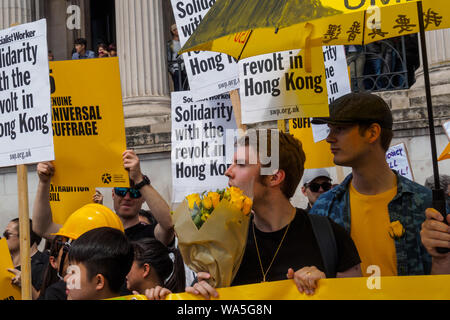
{"x":140,"y":28}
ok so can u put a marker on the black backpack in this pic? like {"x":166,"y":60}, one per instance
{"x":327,"y":243}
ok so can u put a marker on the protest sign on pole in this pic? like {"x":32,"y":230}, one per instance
{"x":88,"y":123}
{"x":7,"y":290}
{"x":209,"y":73}
{"x":25,"y":130}
{"x":25,"y":118}
{"x":276,"y":86}
{"x":398,"y":160}
{"x":199,"y":158}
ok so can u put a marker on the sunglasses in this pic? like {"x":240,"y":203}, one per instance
{"x":122,"y":192}
{"x":8,"y":235}
{"x":315,"y":187}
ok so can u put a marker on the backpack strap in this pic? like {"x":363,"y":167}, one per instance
{"x":327,"y":243}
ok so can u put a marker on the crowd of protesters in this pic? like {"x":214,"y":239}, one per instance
{"x":101,"y":253}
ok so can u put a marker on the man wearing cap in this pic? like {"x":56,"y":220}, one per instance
{"x":315,"y":182}
{"x":381,"y":210}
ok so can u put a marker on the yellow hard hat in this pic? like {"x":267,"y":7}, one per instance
{"x":88,"y":217}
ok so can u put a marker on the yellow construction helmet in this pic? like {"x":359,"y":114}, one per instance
{"x":88,"y":217}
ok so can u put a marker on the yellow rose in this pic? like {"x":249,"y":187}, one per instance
{"x":237,"y":202}
{"x":205,"y":217}
{"x":396,"y":230}
{"x":215,"y":198}
{"x":235,"y":192}
{"x":207,"y":203}
{"x":192,"y":199}
{"x":247,"y":206}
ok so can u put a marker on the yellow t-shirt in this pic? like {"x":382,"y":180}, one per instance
{"x":370,"y":230}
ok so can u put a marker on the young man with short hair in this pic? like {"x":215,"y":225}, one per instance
{"x":281,"y":240}
{"x":382,"y":210}
{"x":81,"y":51}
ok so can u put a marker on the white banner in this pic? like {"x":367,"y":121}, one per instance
{"x":209,"y":73}
{"x":338,"y":83}
{"x":277,"y":86}
{"x":397,"y":158}
{"x":25,"y":113}
{"x":199,"y":158}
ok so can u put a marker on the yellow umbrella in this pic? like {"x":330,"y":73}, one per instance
{"x":243,"y":28}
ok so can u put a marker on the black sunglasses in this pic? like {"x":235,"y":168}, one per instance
{"x":315,"y":187}
{"x":122,"y":192}
{"x":7,"y":235}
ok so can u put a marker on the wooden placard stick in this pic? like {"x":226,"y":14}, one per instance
{"x":236,"y":102}
{"x":24,"y":230}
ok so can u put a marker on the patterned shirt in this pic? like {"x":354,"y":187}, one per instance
{"x":408,"y":207}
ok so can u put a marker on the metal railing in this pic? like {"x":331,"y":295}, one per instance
{"x":383,"y":71}
{"x":182,"y":79}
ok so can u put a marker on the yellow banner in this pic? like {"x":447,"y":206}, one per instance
{"x":64,"y":200}
{"x":388,"y":288}
{"x":88,"y":123}
{"x":318,"y":155}
{"x":7,"y":290}
{"x":387,"y":19}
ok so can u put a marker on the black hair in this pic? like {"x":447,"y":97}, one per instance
{"x":81,"y":41}
{"x":149,"y":216}
{"x":170,"y":273}
{"x":104,"y":251}
{"x":34,"y":238}
{"x":50,"y":275}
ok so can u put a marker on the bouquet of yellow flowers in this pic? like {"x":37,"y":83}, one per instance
{"x":212,"y":230}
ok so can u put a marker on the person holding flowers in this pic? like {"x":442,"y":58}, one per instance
{"x":281,"y":243}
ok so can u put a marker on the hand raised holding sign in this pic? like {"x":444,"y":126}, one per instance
{"x":131,"y":163}
{"x":45,"y":171}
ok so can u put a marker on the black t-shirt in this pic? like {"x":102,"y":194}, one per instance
{"x":56,"y":291}
{"x":140,"y":231}
{"x":39,"y":262}
{"x":299,"y":249}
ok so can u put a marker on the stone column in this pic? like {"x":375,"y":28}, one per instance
{"x":438,"y":52}
{"x":15,"y":12}
{"x":144,"y":75}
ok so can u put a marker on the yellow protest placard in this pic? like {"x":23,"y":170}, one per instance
{"x":318,"y":155}
{"x":64,"y":200}
{"x":7,"y":290}
{"x":388,"y":288}
{"x":88,"y":123}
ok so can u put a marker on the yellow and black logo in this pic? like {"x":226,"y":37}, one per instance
{"x":106,"y":178}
